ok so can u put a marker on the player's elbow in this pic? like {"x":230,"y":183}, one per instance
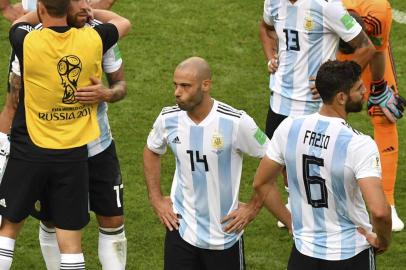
{"x":125,"y":27}
{"x":381,"y":212}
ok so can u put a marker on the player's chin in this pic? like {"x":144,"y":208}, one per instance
{"x":80,"y":21}
{"x":182,"y":106}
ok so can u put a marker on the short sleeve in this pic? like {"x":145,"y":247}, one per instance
{"x":112,"y":59}
{"x":278,"y":142}
{"x":108,"y":33}
{"x":156,"y":141}
{"x":338,"y":20}
{"x":365,"y":160}
{"x":267,"y":16}
{"x":251,"y":140}
{"x":17,"y":34}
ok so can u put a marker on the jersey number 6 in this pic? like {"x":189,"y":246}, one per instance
{"x":316,"y":190}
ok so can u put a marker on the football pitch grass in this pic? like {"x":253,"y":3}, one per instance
{"x":226,"y":34}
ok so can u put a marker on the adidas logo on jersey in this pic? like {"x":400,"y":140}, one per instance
{"x":389,"y":149}
{"x":176,"y":140}
{"x":3,"y":203}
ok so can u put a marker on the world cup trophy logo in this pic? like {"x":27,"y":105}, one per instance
{"x":69,"y":68}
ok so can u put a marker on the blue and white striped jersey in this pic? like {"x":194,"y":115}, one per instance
{"x":112,"y":61}
{"x":209,"y":159}
{"x":324,"y":159}
{"x":308,"y":33}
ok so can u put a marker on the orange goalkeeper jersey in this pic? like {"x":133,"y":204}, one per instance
{"x":377,"y":17}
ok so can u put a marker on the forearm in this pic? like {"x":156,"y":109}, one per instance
{"x":365,"y":50}
{"x":116,"y":92}
{"x":273,"y":202}
{"x":152,"y":173}
{"x":4,"y":4}
{"x":117,"y":86}
{"x":9,"y":110}
{"x":269,"y":41}
{"x":382,"y":226}
{"x":256,"y":202}
{"x":377,"y":66}
{"x":122,"y":24}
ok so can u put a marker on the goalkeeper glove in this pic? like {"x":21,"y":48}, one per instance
{"x":384,"y":97}
{"x":4,"y":152}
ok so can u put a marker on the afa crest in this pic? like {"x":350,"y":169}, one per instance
{"x":308,"y":23}
{"x":217,"y":141}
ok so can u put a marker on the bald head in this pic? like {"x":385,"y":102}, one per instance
{"x":198,"y":66}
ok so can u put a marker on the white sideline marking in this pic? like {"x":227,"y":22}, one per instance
{"x":399,"y":16}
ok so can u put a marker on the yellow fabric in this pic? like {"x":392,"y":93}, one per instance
{"x":55,"y":65}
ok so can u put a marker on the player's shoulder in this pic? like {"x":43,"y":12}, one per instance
{"x":358,"y":139}
{"x":331,"y":5}
{"x":22,"y":26}
{"x":170,"y":111}
{"x":347,"y":127}
{"x":227,"y":111}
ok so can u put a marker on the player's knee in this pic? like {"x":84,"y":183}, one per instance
{"x":10,"y":229}
{"x":48,"y":224}
{"x":110,"y":222}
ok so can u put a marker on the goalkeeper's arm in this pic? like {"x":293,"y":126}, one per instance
{"x":381,"y":94}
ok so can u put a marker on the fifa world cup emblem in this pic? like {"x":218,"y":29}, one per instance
{"x":69,"y":68}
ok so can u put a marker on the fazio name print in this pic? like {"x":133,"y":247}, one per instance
{"x":316,"y":139}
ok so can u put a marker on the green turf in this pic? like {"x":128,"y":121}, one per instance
{"x":226,"y":34}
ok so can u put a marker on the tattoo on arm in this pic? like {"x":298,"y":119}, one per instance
{"x":117,"y":84}
{"x":15,"y":86}
{"x":360,"y":41}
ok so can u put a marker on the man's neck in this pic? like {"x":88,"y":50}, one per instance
{"x":333,"y":111}
{"x":199,"y":113}
{"x":51,"y":21}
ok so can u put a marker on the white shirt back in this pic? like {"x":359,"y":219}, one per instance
{"x":209,"y":159}
{"x":324,"y":157}
{"x":308,"y":33}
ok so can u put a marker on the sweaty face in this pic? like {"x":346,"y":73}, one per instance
{"x":355,"y":98}
{"x":188,"y":89}
{"x":78,"y":13}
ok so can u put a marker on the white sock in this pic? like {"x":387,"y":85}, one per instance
{"x":6,"y":252}
{"x":72,"y":262}
{"x":112,"y":248}
{"x":49,"y":247}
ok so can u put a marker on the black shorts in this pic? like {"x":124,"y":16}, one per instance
{"x":105,"y":187}
{"x":180,"y":255}
{"x":105,"y":183}
{"x":63,"y":185}
{"x":273,"y":120}
{"x":364,"y":260}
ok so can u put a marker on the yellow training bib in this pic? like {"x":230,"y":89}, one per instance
{"x":55,"y":65}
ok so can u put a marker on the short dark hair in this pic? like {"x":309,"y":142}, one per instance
{"x":56,"y":8}
{"x":336,"y":76}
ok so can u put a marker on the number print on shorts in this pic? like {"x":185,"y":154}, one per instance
{"x":117,"y":189}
